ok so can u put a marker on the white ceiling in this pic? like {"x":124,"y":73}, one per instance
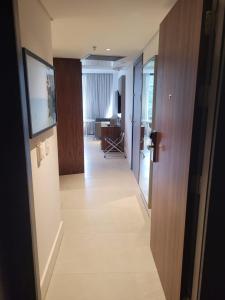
{"x":124,"y":26}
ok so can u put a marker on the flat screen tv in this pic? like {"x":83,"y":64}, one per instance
{"x":40,"y":92}
{"x":118,"y":99}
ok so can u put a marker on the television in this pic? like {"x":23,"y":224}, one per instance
{"x":118,"y":100}
{"x":40,"y":93}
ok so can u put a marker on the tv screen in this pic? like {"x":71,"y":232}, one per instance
{"x":40,"y":88}
{"x":118,"y":96}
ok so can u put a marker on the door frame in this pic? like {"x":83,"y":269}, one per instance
{"x":155,"y":59}
{"x":18,"y":244}
{"x":140,"y":57}
{"x":202,"y":148}
{"x":213,"y":266}
{"x":153,"y":121}
{"x":208,"y":222}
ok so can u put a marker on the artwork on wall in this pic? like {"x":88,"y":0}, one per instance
{"x":40,"y":92}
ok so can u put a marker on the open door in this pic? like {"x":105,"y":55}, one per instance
{"x":179,"y":47}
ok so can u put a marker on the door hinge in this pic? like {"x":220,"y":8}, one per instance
{"x":196,"y":184}
{"x":210,"y":18}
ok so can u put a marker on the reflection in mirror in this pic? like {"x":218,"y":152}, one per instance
{"x":148,"y":95}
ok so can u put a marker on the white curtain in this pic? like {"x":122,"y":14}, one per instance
{"x":98,"y":98}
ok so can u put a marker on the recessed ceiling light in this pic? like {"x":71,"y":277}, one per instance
{"x":108,"y":49}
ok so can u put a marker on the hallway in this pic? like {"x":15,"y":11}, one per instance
{"x":105,"y":252}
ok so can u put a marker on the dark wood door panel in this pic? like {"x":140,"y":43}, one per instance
{"x":179,"y":46}
{"x":70,"y":115}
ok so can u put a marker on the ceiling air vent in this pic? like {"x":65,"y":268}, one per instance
{"x":103,"y":57}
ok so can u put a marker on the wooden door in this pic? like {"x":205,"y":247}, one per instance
{"x":179,"y":47}
{"x":70,"y":115}
{"x":138,"y":69}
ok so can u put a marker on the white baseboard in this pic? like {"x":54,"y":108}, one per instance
{"x":46,"y":277}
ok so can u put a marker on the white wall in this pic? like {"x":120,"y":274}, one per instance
{"x":35,"y":30}
{"x":128,"y":72}
{"x":152,"y":48}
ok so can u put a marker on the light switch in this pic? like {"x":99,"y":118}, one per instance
{"x":47,"y":148}
{"x":40,"y":153}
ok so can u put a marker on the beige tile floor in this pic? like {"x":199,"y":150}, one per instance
{"x":105,"y":252}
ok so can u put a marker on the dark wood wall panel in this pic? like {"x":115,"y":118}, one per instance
{"x":177,"y":70}
{"x":70,"y":115}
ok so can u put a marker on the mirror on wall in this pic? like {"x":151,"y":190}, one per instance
{"x":147,"y":116}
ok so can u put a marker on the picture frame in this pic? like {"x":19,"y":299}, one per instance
{"x":40,"y":93}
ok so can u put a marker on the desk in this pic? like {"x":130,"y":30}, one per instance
{"x":109,"y":131}
{"x":89,"y":126}
{"x":98,"y":126}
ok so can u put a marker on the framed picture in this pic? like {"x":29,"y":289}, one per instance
{"x":40,"y":92}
